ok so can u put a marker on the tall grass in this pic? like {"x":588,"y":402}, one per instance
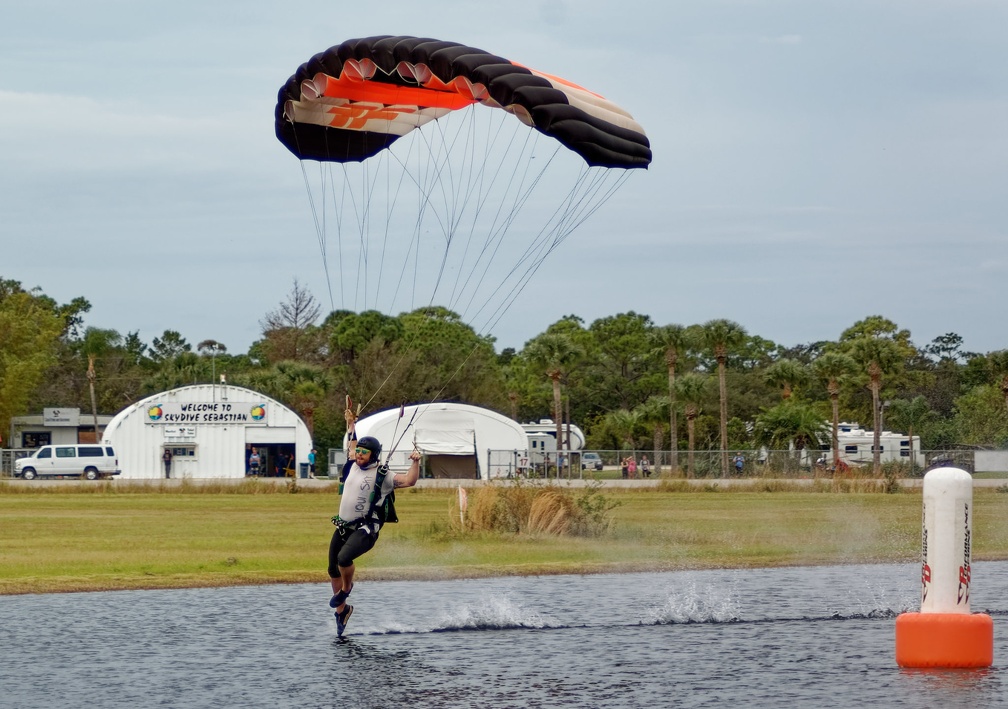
{"x":517,"y":508}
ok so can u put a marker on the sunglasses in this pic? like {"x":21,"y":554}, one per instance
{"x":362,"y":451}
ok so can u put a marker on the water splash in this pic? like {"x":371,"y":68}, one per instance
{"x":492,"y":612}
{"x":696,"y":603}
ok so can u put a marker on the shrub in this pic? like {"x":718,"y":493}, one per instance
{"x":519,"y":508}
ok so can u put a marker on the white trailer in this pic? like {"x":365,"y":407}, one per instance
{"x":856,"y":447}
{"x":548,"y":427}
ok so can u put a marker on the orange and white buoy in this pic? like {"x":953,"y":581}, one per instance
{"x":945,"y":633}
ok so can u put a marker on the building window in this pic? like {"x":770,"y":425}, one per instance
{"x":850,"y":450}
{"x":35,"y":439}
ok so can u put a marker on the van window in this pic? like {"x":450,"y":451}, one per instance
{"x":850,"y":449}
{"x":109,"y":452}
{"x":44,"y":453}
{"x":90,"y":452}
{"x":66,"y":452}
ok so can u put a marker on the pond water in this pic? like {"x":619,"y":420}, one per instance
{"x":808,"y":637}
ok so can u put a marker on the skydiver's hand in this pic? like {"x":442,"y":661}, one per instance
{"x":415,"y":455}
{"x":349,"y":416}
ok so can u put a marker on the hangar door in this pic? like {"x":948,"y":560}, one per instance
{"x":451,"y":452}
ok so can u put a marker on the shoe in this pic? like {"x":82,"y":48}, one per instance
{"x":341,"y":619}
{"x":340,"y":598}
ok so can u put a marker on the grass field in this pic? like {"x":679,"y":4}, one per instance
{"x":114,"y":536}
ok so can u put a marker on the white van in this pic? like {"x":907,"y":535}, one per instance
{"x":90,"y":461}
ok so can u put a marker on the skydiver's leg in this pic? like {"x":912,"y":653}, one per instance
{"x":357,"y":544}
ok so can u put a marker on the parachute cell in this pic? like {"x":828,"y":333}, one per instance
{"x":353,"y":100}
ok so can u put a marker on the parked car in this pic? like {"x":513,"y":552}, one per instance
{"x":591,"y":460}
{"x":78,"y":460}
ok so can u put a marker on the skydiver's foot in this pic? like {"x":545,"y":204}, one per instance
{"x":340,"y":598}
{"x":341,"y":619}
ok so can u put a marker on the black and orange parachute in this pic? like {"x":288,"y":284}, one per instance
{"x":353,"y":100}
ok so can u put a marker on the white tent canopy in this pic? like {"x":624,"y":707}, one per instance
{"x":459,"y":440}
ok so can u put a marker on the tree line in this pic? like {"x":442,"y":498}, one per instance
{"x":628,"y":382}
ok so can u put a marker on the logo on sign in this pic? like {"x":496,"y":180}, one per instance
{"x":155,"y":413}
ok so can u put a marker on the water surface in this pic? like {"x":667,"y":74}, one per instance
{"x":808,"y":637}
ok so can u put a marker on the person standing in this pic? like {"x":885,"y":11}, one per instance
{"x":167,"y":458}
{"x":358,"y":523}
{"x":254,"y":461}
{"x":645,"y":465}
{"x":632,"y":467}
{"x":311,"y":462}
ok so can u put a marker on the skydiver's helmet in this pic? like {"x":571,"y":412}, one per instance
{"x":372,"y":444}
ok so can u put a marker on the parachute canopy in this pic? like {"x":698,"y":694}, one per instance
{"x":353,"y":100}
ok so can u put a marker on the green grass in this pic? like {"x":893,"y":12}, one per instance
{"x":112,"y":536}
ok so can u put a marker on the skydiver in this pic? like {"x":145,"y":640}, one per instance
{"x":358,"y":523}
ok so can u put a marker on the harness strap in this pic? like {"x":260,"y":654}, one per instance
{"x":369,"y":519}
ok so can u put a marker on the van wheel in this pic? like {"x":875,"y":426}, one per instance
{"x":91,"y":473}
{"x":28,"y":474}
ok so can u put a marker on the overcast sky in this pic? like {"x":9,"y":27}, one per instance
{"x":814,"y":162}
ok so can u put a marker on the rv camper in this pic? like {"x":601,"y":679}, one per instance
{"x":574,"y":435}
{"x":856,"y":447}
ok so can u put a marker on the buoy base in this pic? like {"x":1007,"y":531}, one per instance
{"x":944,"y":640}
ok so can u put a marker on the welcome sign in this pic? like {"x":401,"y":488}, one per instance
{"x":206,"y":412}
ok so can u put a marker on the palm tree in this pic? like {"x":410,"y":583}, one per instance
{"x":790,"y":424}
{"x":672,"y":340}
{"x":553,"y":354}
{"x":834,"y":367}
{"x":722,"y":336}
{"x":624,"y":423}
{"x":653,"y":412}
{"x":213,"y":347}
{"x":787,"y":375}
{"x":910,"y":415}
{"x":300,"y":385}
{"x":97,"y":343}
{"x":879,"y":356}
{"x":691,"y":389}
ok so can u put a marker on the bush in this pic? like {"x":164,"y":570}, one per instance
{"x":519,"y":508}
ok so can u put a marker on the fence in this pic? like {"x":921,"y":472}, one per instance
{"x":707,"y":464}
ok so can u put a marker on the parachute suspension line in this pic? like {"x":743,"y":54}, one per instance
{"x":426,"y":176}
{"x":448,"y":202}
{"x":362,"y":231}
{"x":391,"y":200}
{"x":428,"y":181}
{"x":423,"y":199}
{"x":501,"y":310}
{"x":397,"y":441}
{"x":338,"y":203}
{"x":320,"y":229}
{"x":457,"y":199}
{"x":494,"y":236}
{"x":565,"y":226}
{"x":523,"y":189}
{"x":478,"y":182}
